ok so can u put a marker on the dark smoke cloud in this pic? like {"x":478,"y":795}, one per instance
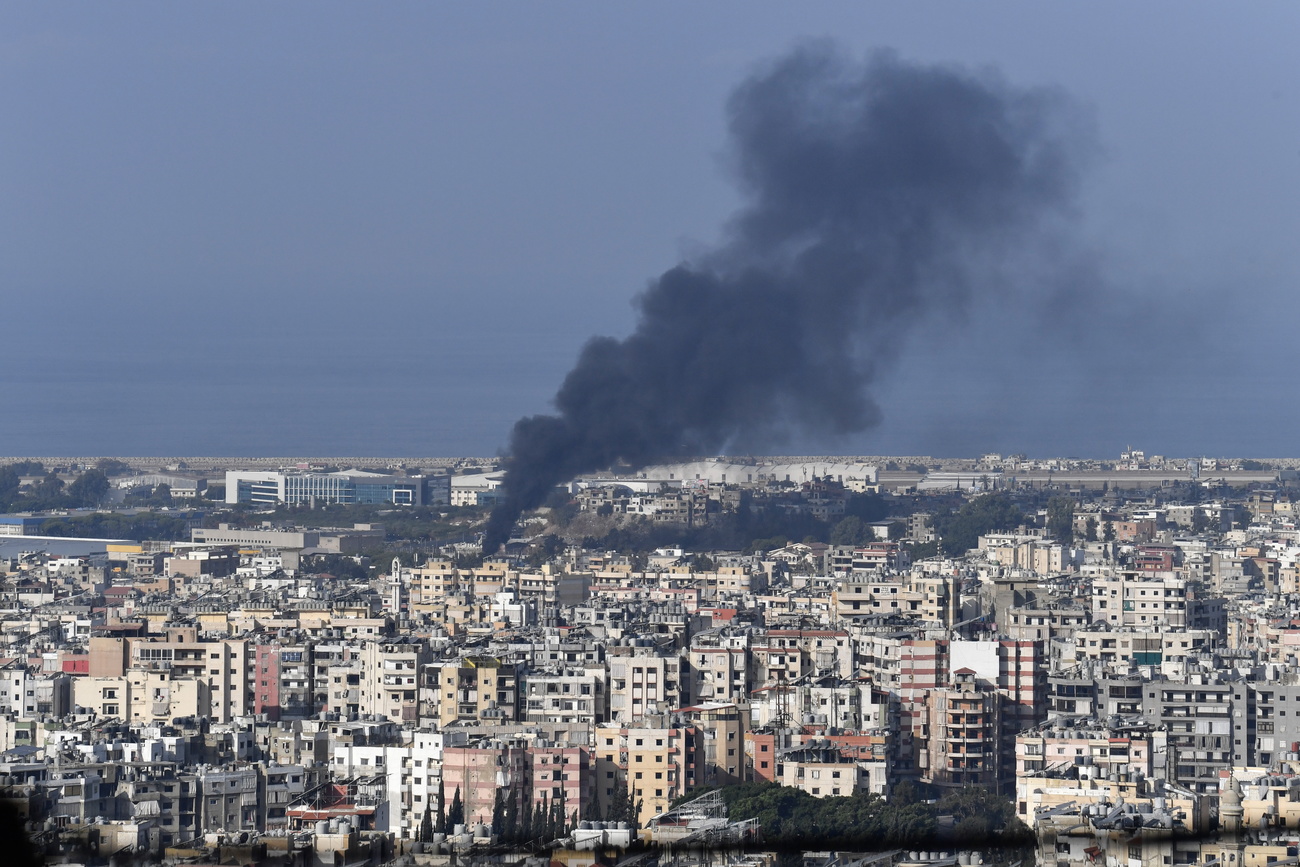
{"x":876,"y":192}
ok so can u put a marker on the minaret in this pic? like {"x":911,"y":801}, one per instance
{"x":1232,"y":839}
{"x":395,"y":576}
{"x":1230,"y":809}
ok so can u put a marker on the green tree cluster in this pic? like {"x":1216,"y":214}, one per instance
{"x":87,"y":490}
{"x":987,"y":513}
{"x":851,"y":531}
{"x":171,"y":526}
{"x":1060,"y":519}
{"x":113,"y":467}
{"x":981,"y":817}
{"x":793,"y":819}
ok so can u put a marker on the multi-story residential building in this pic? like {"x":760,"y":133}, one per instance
{"x":1045,"y":622}
{"x":566,"y":695}
{"x":963,"y":732}
{"x":389,"y":681}
{"x":1152,"y":646}
{"x":642,"y":682}
{"x":471,"y":689}
{"x":822,"y":770}
{"x":930,"y":598}
{"x":1072,"y":693}
{"x":883,"y":557}
{"x":655,"y":760}
{"x":228,"y":800}
{"x":282,"y":681}
{"x":717,"y":668}
{"x":720,"y":752}
{"x":1210,"y":726}
{"x":1133,"y":599}
{"x":142,"y":696}
{"x":478,"y":772}
{"x":788,"y":654}
{"x":1108,"y":752}
{"x":413,"y":777}
{"x":562,"y":774}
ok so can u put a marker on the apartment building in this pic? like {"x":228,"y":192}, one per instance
{"x":566,"y":695}
{"x":472,"y":688}
{"x":642,"y":682}
{"x":656,"y":761}
{"x":962,"y":725}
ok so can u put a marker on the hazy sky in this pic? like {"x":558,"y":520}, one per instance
{"x":313,"y":228}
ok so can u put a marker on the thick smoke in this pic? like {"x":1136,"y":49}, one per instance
{"x":876,"y":193}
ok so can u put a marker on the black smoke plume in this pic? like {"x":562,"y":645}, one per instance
{"x":876,"y":192}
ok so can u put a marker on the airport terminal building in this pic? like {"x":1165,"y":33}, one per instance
{"x":346,"y":487}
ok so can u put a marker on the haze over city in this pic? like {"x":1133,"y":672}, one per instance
{"x":338,"y":231}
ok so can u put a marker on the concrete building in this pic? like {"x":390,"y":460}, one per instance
{"x":346,"y":486}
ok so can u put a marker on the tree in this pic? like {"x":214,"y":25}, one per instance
{"x":90,"y":488}
{"x":1200,"y":520}
{"x":456,"y":812}
{"x":499,"y":813}
{"x":1090,"y":529}
{"x":555,"y":818}
{"x":509,"y":832}
{"x":1242,"y":517}
{"x":28,"y":468}
{"x":113,"y":467}
{"x":922,"y":550}
{"x":791,"y":818}
{"x":524,"y":830}
{"x":703,"y":563}
{"x":540,"y":829}
{"x":1108,"y":532}
{"x":851,"y":531}
{"x":979,"y":815}
{"x":868,"y":507}
{"x":48,"y":489}
{"x":162,"y":494}
{"x":562,"y":814}
{"x":986,"y":513}
{"x":441,"y":819}
{"x":426,"y":825}
{"x":544,"y":551}
{"x":770,"y":544}
{"x":618,"y":810}
{"x":1060,"y":518}
{"x":9,"y":483}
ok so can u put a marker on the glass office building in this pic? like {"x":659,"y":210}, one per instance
{"x":305,"y":488}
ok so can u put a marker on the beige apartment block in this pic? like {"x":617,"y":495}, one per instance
{"x":651,"y":759}
{"x":473,"y":689}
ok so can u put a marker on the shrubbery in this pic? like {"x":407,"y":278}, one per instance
{"x":791,"y":818}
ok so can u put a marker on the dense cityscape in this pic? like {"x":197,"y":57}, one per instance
{"x":649,"y":435}
{"x":315,"y":662}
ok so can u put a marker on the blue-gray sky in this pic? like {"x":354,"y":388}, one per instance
{"x":316,"y":228}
